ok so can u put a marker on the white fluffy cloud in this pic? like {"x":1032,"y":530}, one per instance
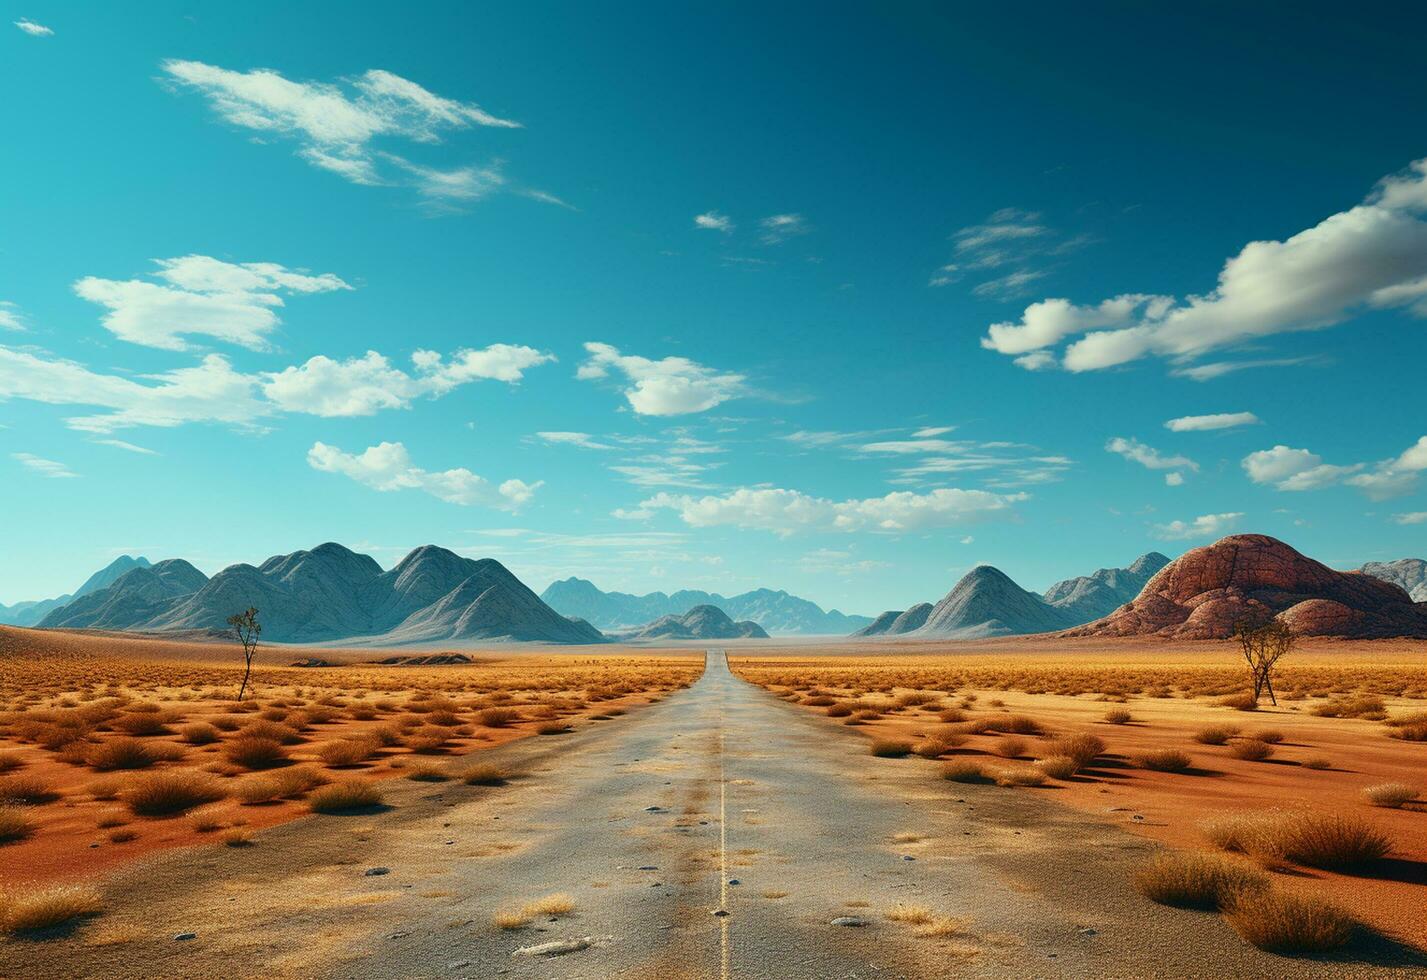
{"x":337,"y":125}
{"x":387,"y":466}
{"x":203,"y":296}
{"x":1175,"y":479}
{"x":44,"y":467}
{"x":1371,"y":256}
{"x":1148,"y":457}
{"x":212,"y":391}
{"x":671,"y":386}
{"x":10,"y":317}
{"x":713,"y":221}
{"x":1415,"y":517}
{"x":787,"y":512}
{"x":33,"y":29}
{"x":1204,"y":526}
{"x":1285,"y":468}
{"x":1207,"y":423}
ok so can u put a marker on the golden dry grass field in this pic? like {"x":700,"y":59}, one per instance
{"x":114,"y":748}
{"x":1139,"y":734}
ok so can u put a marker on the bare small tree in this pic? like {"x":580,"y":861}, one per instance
{"x":1264,"y":644}
{"x":246,"y":627}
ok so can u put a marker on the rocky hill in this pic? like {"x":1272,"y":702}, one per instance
{"x":1206,"y":591}
{"x":30,"y":613}
{"x":987,"y":603}
{"x":776,"y":611}
{"x":896,"y":623}
{"x":703,"y":622}
{"x":1089,"y":597}
{"x":332,"y":593}
{"x":1410,"y":573}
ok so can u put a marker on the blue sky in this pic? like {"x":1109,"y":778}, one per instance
{"x":838,"y":300}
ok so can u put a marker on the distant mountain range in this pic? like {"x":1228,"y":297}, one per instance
{"x":1409,"y":573}
{"x":330,"y":593}
{"x":30,"y":613}
{"x":986,"y":602}
{"x":699,"y":623}
{"x":776,"y":612}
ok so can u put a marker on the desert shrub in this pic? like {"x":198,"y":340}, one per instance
{"x":1284,"y":923}
{"x":1409,"y":728}
{"x":228,"y":723}
{"x":1391,"y":795}
{"x":1163,"y":760}
{"x":236,"y":837}
{"x":45,"y":908}
{"x":427,"y":772}
{"x":485,"y":774}
{"x":821,"y":701}
{"x":1317,"y":840}
{"x":1251,"y":750}
{"x":931,"y":748}
{"x":839,"y":710}
{"x":1020,"y":776}
{"x":15,"y":823}
{"x":428,"y":738}
{"x":891,"y":748}
{"x":10,"y":761}
{"x":1084,"y":748}
{"x":1317,"y":762}
{"x":347,"y":751}
{"x":27,"y":789}
{"x":120,"y":753}
{"x":1368,"y":706}
{"x":964,"y":771}
{"x":200,"y":733}
{"x":952,"y":715}
{"x":349,"y":794}
{"x":163,"y":794}
{"x":386,"y":735}
{"x":1240,"y":702}
{"x":497,"y":717}
{"x":1199,"y":881}
{"x":271,"y":731}
{"x":142,"y":724}
{"x":552,"y":728}
{"x":1271,"y":736}
{"x":1009,"y":747}
{"x":279,"y":785}
{"x":1215,"y":734}
{"x":1058,"y":766}
{"x":254,"y":752}
{"x":1118,"y":716}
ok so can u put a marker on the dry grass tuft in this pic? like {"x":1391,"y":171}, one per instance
{"x":1163,"y":760}
{"x":22,"y":912}
{"x":964,"y":771}
{"x":200,"y":733}
{"x":551,"y":906}
{"x":924,"y":921}
{"x":891,"y":748}
{"x":280,"y":785}
{"x":1215,"y":734}
{"x":1058,"y":766}
{"x":344,"y":796}
{"x":163,"y":794}
{"x":1010,"y":747}
{"x":427,"y":772}
{"x":1083,"y":748}
{"x":485,"y":774}
{"x":254,"y":751}
{"x":1199,"y":881}
{"x":348,"y":751}
{"x":1368,"y":706}
{"x":1390,"y":795}
{"x":552,"y":728}
{"x":497,"y":717}
{"x":1023,"y":776}
{"x":1317,"y":762}
{"x":1250,"y":750}
{"x":15,"y":824}
{"x":1118,"y":716}
{"x":1288,"y":924}
{"x":1317,"y":840}
{"x":120,"y":753}
{"x":236,"y":837}
{"x":27,"y":789}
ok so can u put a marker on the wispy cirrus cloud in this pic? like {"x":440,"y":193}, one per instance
{"x":33,"y":29}
{"x":387,"y":467}
{"x":1011,"y":247}
{"x":341,"y":127}
{"x":778,"y":228}
{"x":44,"y":467}
{"x":713,"y":221}
{"x":1371,"y":256}
{"x":1211,"y":423}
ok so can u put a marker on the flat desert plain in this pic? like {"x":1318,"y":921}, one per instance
{"x":1011,"y":808}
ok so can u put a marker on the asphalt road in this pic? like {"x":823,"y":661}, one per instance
{"x":719,"y":799}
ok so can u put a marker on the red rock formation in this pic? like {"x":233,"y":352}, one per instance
{"x":1206,"y":591}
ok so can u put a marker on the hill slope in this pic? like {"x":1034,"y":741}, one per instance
{"x":1089,"y":597}
{"x":1204,"y":592}
{"x":1410,"y":573}
{"x":30,"y":613}
{"x":896,"y":623}
{"x":703,"y":622}
{"x":987,"y":603}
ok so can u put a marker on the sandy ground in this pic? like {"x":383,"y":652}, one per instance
{"x":719,"y":798}
{"x":1171,"y":807}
